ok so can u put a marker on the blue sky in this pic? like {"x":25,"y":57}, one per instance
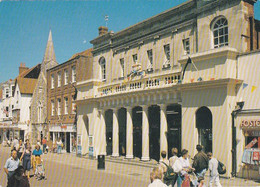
{"x":24,"y":26}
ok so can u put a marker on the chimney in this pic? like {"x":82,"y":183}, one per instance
{"x":22,"y":68}
{"x":102,"y":30}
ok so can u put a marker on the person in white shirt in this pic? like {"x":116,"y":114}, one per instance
{"x":213,"y":169}
{"x":156,"y":177}
{"x":174,"y":157}
{"x":182,"y":166}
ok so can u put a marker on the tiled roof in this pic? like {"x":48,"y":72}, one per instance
{"x":87,"y":52}
{"x":26,"y":85}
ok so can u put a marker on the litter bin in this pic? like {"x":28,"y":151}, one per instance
{"x":101,"y":162}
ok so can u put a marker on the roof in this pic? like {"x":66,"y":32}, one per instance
{"x":87,"y":52}
{"x":1,"y":93}
{"x":27,"y":82}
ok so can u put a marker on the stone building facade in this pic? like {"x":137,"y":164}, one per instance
{"x":38,"y":109}
{"x":61,"y":94}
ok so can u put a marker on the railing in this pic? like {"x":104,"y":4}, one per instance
{"x":159,"y":81}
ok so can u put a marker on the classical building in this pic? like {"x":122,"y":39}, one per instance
{"x":38,"y":110}
{"x":173,"y":80}
{"x":61,"y":93}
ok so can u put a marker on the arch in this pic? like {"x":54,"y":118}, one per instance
{"x":109,"y":131}
{"x":219,"y":28}
{"x":137,"y":131}
{"x":174,"y":118}
{"x":204,"y":126}
{"x":102,"y":64}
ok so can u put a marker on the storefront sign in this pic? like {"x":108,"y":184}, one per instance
{"x":251,"y":144}
{"x":250,"y":123}
{"x":63,"y":127}
{"x":256,"y":156}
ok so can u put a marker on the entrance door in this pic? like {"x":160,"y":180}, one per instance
{"x":174,"y":128}
{"x":109,"y":130}
{"x":204,"y":125}
{"x":154,"y":132}
{"x":68,"y":142}
{"x":137,"y":131}
{"x":122,"y":131}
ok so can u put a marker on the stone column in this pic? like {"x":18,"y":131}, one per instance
{"x":145,"y":134}
{"x":129,"y":133}
{"x":163,"y":129}
{"x":115,"y":133}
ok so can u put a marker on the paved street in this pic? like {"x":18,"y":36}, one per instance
{"x":68,"y":170}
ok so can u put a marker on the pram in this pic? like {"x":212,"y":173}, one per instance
{"x":39,"y":169}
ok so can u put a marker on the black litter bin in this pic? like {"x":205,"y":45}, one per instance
{"x":101,"y":162}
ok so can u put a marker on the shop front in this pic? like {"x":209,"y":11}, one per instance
{"x":248,"y":145}
{"x":67,"y":133}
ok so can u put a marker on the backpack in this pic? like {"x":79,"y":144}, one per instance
{"x":221,"y":168}
{"x":169,"y":175}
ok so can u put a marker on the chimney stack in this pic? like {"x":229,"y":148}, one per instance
{"x":22,"y":68}
{"x":102,"y":30}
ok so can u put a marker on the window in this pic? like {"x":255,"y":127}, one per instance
{"x":7,"y":92}
{"x":52,"y":108}
{"x":186,"y":46}
{"x":52,"y":81}
{"x":122,"y":65}
{"x":73,"y":105}
{"x":59,"y":79}
{"x":59,"y":106}
{"x":150,"y":58}
{"x":65,"y":105}
{"x":73,"y":74}
{"x":166,"y":62}
{"x":66,"y":77}
{"x":135,"y":58}
{"x":220,"y":33}
{"x":102,"y":63}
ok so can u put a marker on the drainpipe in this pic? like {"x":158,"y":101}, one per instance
{"x":234,"y":113}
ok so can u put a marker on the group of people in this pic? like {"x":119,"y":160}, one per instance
{"x":183,"y":172}
{"x":21,"y":161}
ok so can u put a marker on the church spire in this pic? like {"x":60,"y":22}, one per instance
{"x":49,"y":59}
{"x":49,"y":51}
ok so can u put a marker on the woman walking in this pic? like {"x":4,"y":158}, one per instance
{"x":26,"y":156}
{"x":59,"y":144}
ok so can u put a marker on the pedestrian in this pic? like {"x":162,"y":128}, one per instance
{"x":20,"y":149}
{"x":174,"y":157}
{"x":157,"y":175}
{"x":200,"y":162}
{"x":26,"y":143}
{"x":182,"y":167}
{"x":26,"y":156}
{"x":15,"y":143}
{"x":18,"y":179}
{"x":213,"y":170}
{"x":164,"y":161}
{"x":59,"y":144}
{"x":44,"y":144}
{"x":11,"y":164}
{"x":37,"y":152}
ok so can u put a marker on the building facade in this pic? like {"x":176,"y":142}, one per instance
{"x":61,"y":94}
{"x":38,"y":109}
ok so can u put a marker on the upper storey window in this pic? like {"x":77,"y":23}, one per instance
{"x":135,"y":58}
{"x":66,"y":76}
{"x":52,"y":81}
{"x":59,"y":79}
{"x":73,"y":74}
{"x":150,"y":59}
{"x":102,"y":63}
{"x":122,"y":65}
{"x":220,"y":32}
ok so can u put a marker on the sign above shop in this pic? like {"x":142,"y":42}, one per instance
{"x":252,"y":143}
{"x":250,"y":123}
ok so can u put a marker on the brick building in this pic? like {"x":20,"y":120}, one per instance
{"x":61,"y":81}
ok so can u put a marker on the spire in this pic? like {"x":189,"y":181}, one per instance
{"x":49,"y":51}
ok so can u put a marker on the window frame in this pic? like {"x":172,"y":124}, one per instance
{"x":52,"y":108}
{"x":52,"y":81}
{"x":135,"y":58}
{"x":66,"y":104}
{"x":59,"y":79}
{"x":223,"y":26}
{"x":59,"y":106}
{"x":185,"y":46}
{"x":66,"y":76}
{"x":122,"y":65}
{"x":102,"y":63}
{"x":73,"y":74}
{"x":150,"y":59}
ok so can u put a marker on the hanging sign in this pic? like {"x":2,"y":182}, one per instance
{"x":256,"y":156}
{"x":251,"y":144}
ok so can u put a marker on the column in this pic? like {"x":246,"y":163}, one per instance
{"x":164,"y":129}
{"x":129,"y":133}
{"x":115,"y":134}
{"x":145,"y":134}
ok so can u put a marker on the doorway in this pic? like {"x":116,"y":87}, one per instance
{"x":109,"y":131}
{"x":122,"y":131}
{"x":137,"y":131}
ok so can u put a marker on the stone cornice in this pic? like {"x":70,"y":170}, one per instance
{"x":88,"y":82}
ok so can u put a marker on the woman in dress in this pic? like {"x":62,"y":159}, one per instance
{"x":26,"y":157}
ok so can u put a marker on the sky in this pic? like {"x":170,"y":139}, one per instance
{"x":25,"y":26}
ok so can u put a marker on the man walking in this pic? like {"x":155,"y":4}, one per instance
{"x":213,"y":169}
{"x":11,"y":164}
{"x":200,"y":162}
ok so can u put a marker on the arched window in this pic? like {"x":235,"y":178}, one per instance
{"x":220,"y":32}
{"x":102,"y":63}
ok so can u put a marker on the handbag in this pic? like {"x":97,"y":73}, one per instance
{"x":170,"y":177}
{"x":221,"y":168}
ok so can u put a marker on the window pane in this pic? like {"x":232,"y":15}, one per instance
{"x":215,"y":33}
{"x":221,"y":32}
{"x":216,"y":41}
{"x":226,"y":38}
{"x":221,"y":39}
{"x":226,"y":30}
